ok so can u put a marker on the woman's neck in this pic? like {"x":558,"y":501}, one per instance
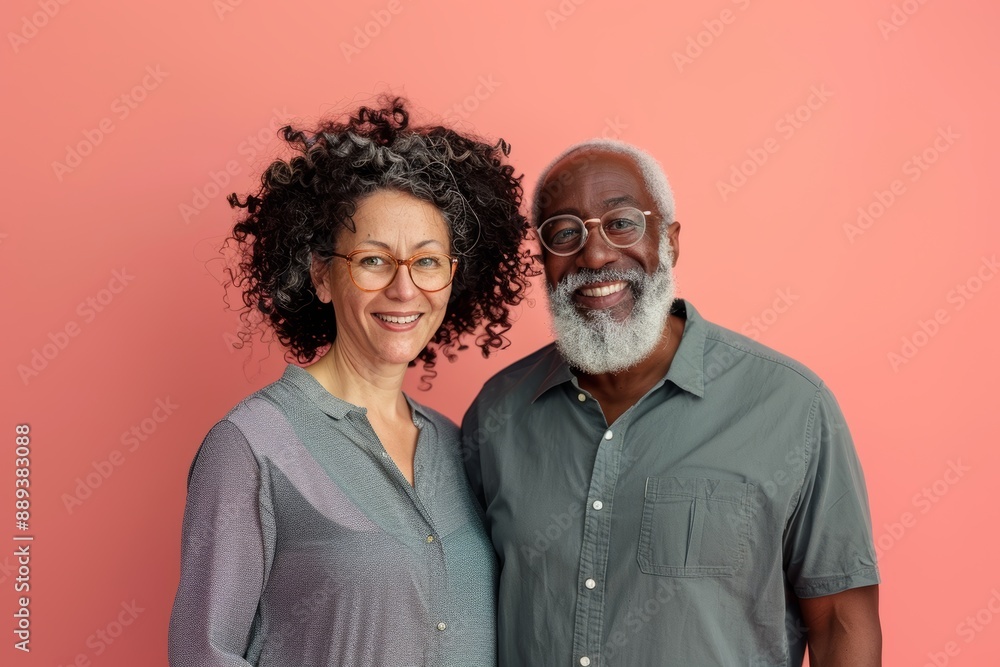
{"x":379,"y":389}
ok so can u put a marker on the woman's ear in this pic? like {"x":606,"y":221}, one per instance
{"x":321,"y":278}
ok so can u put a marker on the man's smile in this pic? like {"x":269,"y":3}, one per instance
{"x":602,"y":290}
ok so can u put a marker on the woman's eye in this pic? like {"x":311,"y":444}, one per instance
{"x":428,"y":262}
{"x":371,"y":261}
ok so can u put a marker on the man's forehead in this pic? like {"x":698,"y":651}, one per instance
{"x":594,"y":160}
{"x":597,"y":171}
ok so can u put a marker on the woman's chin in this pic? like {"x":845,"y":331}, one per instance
{"x":400,"y":353}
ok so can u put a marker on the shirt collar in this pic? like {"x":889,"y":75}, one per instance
{"x":556,"y":373}
{"x":327,"y":402}
{"x":687,"y":369}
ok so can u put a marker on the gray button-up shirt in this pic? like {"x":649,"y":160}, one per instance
{"x":683,"y":533}
{"x":304,"y":545}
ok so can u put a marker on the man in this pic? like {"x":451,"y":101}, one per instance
{"x":660,"y":490}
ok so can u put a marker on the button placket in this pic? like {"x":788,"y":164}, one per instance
{"x":589,"y":622}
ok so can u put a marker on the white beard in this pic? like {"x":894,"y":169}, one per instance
{"x":596,"y":343}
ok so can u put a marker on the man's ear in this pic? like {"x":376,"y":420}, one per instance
{"x":320,"y":274}
{"x":674,"y":234}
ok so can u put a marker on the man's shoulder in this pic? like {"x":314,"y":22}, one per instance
{"x":525,"y":374}
{"x":725,"y":347}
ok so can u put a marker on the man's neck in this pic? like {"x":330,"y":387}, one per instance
{"x":617,"y":392}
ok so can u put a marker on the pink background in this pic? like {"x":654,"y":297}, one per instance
{"x":202,"y":81}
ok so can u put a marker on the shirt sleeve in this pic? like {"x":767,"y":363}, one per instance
{"x":222,"y":555}
{"x":471,"y":450}
{"x":828,"y":542}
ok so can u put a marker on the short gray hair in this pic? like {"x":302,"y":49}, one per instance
{"x":652,"y":174}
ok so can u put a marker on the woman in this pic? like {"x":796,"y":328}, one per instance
{"x":328,"y":518}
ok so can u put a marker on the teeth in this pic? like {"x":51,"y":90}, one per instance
{"x":398,"y":320}
{"x":603,"y":291}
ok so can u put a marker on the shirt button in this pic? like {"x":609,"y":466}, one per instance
{"x":430,"y":538}
{"x":584,"y":661}
{"x":590,"y":583}
{"x":441,"y":626}
{"x":598,"y":505}
{"x":581,"y":397}
{"x":608,"y":435}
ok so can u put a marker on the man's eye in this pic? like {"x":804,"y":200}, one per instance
{"x":620,"y":225}
{"x":565,"y":236}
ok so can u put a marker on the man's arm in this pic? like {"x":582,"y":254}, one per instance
{"x":472,"y":438}
{"x":844,"y":628}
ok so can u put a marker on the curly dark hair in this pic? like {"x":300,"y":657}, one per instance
{"x":304,"y":201}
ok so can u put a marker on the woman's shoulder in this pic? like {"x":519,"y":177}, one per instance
{"x":285,"y":395}
{"x":257,"y":416}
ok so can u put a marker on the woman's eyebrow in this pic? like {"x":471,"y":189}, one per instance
{"x":386,"y":246}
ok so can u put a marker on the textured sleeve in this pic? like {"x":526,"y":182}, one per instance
{"x":471,"y":445}
{"x":828,"y":544}
{"x":222,"y":555}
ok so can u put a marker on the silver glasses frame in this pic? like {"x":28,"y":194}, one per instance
{"x":586,"y":230}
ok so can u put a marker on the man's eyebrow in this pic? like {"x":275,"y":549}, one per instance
{"x":611,"y":203}
{"x":564,"y":211}
{"x":615,"y":202}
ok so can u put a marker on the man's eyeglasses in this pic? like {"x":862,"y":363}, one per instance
{"x":373,"y":270}
{"x":566,"y":235}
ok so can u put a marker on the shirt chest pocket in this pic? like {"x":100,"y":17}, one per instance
{"x":694,"y":527}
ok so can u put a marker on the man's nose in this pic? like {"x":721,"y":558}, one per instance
{"x":596,"y":253}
